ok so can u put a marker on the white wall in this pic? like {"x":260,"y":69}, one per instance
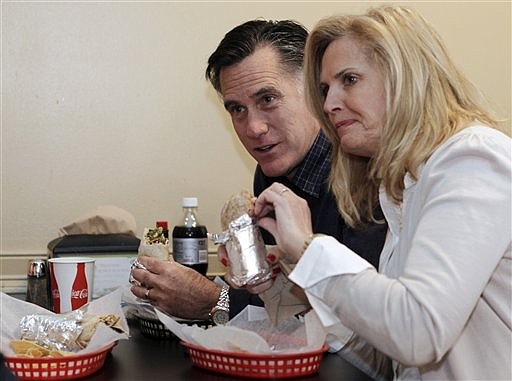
{"x":106,"y":103}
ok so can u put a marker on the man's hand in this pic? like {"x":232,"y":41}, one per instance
{"x":177,"y":289}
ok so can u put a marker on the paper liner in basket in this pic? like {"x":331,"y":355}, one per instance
{"x":13,"y":310}
{"x":251,"y":331}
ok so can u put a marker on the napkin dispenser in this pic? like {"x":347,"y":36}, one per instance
{"x":114,"y":254}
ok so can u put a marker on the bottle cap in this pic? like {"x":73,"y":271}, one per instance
{"x":36,"y":268}
{"x":162,"y":224}
{"x":189,"y":202}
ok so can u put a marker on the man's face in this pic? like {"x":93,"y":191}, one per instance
{"x":268,"y":111}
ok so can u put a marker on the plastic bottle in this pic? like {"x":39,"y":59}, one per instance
{"x":189,"y":240}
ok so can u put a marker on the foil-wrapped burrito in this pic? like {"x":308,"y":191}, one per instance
{"x":71,"y":332}
{"x":244,"y":243}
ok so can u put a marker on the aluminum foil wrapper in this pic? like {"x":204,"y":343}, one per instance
{"x":136,"y":265}
{"x":246,"y":252}
{"x":53,"y":332}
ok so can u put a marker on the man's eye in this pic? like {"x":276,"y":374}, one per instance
{"x":236,"y":109}
{"x":349,"y":79}
{"x":268,"y":98}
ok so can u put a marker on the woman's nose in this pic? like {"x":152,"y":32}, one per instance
{"x":332,"y":102}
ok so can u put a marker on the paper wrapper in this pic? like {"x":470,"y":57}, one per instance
{"x":13,"y":310}
{"x":251,"y":331}
{"x":246,"y":251}
{"x":155,"y":250}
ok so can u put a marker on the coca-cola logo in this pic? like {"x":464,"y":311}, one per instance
{"x":79,"y":294}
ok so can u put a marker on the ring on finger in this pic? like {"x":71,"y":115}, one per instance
{"x":146,"y":294}
{"x":283,"y":190}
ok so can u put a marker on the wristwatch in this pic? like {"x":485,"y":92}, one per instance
{"x":220,"y":313}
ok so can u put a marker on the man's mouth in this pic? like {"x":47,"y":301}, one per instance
{"x":265,"y":148}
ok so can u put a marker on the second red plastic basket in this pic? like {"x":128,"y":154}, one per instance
{"x":256,"y":365}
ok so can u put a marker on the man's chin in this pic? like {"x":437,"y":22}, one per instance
{"x":273,"y":170}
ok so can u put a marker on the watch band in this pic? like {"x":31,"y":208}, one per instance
{"x":220,"y":313}
{"x":223,"y":301}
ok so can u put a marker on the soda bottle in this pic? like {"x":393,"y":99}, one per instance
{"x":189,"y":239}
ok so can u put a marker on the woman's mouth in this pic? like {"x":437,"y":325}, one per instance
{"x":343,"y":123}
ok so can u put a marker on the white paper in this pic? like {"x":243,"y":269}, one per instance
{"x":251,"y":331}
{"x":111,"y":273}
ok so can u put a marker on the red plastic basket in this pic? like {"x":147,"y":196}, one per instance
{"x":256,"y":365}
{"x":58,"y":368}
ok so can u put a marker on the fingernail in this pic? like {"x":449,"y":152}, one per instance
{"x":224,"y":261}
{"x":271,"y":258}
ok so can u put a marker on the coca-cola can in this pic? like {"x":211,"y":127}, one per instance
{"x":71,"y":282}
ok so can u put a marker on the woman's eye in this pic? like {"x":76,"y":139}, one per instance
{"x":349,"y":79}
{"x":324,"y":89}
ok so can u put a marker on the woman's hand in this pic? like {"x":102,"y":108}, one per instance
{"x":292,"y":223}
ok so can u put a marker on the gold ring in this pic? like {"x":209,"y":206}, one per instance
{"x":283,"y":190}
{"x":146,"y":294}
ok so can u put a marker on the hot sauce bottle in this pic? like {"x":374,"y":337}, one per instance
{"x":164,"y":226}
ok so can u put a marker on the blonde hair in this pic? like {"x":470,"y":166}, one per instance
{"x":427,"y":100}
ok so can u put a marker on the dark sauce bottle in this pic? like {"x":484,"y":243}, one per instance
{"x":190,"y":239}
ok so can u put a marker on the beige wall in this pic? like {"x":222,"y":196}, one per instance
{"x":106,"y":103}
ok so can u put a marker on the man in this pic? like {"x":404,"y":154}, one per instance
{"x":257,"y":70}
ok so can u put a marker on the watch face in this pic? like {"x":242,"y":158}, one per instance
{"x":220,"y":317}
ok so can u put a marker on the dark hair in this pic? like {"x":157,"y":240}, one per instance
{"x":286,"y":36}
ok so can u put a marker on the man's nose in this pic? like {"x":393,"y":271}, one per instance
{"x":256,"y":125}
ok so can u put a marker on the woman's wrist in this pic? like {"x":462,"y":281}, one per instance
{"x":308,"y":241}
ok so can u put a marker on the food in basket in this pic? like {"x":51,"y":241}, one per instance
{"x":90,"y":324}
{"x":29,"y":349}
{"x":238,"y":204}
{"x":63,"y":333}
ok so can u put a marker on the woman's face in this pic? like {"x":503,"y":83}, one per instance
{"x":354,"y":96}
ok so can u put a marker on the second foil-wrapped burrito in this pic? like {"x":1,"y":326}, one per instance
{"x":244,"y":243}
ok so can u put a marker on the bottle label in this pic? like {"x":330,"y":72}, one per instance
{"x":190,"y":251}
{"x":80,"y":288}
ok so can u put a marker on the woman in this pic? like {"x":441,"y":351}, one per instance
{"x":409,"y":130}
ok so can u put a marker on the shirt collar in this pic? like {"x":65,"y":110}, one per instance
{"x":313,"y":171}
